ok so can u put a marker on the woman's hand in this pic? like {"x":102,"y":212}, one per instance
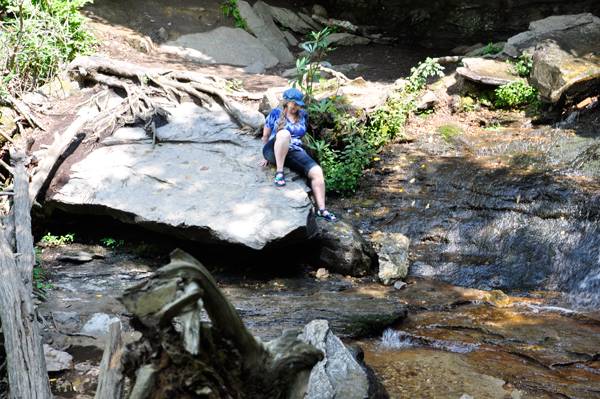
{"x":264,"y":162}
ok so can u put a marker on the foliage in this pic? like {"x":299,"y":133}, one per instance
{"x":55,"y":241}
{"x":523,"y":66}
{"x":490,"y":49}
{"x":38,"y":37}
{"x":235,"y":84}
{"x":515,"y":94}
{"x":308,"y":69}
{"x":112,"y":243}
{"x":388,"y":121}
{"x":418,"y":76}
{"x":493,"y":127}
{"x":230,"y":7}
{"x":40,"y":281}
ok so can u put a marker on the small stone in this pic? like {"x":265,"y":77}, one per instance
{"x":322,"y":273}
{"x":399,"y":285}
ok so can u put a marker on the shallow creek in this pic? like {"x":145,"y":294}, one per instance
{"x":512,"y":207}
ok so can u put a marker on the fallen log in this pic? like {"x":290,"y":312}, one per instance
{"x":180,"y":355}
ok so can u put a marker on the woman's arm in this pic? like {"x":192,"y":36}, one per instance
{"x":266,"y":134}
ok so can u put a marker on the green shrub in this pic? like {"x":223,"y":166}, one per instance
{"x":490,"y":49}
{"x":37,"y":38}
{"x":449,"y":131}
{"x":523,"y":66}
{"x":515,"y":94}
{"x":230,"y":7}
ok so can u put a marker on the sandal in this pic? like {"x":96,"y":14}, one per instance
{"x":325,"y":214}
{"x":279,"y":179}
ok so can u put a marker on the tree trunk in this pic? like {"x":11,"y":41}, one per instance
{"x":110,"y":380}
{"x":27,"y":372}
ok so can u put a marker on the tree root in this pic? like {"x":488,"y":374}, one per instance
{"x":141,"y":85}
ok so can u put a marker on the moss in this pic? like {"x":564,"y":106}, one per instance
{"x":371,"y":324}
{"x":449,"y":131}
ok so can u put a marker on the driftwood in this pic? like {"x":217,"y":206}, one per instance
{"x":142,"y":84}
{"x":111,"y":380}
{"x":196,"y":359}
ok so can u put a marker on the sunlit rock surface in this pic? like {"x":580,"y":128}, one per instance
{"x":202,"y":183}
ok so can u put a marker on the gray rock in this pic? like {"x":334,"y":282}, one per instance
{"x":320,"y":11}
{"x":346,"y":39}
{"x":392,"y":249}
{"x":65,"y":317}
{"x":465,"y":396}
{"x":292,"y":41}
{"x":575,"y":32}
{"x":79,"y":256}
{"x":269,"y":102}
{"x":485,"y":71}
{"x":289,"y":19}
{"x":557,"y":73}
{"x":338,"y":375}
{"x":57,"y":360}
{"x":99,"y":324}
{"x":342,"y":249}
{"x":399,"y":285}
{"x":221,"y":46}
{"x":269,"y":36}
{"x":144,"y":382}
{"x":258,"y":68}
{"x":463,"y":50}
{"x":201,"y":184}
{"x":344,"y":26}
{"x":163,"y":34}
{"x":427,"y":100}
{"x":314,"y":24}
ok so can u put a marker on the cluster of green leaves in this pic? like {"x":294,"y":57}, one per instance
{"x":54,"y":241}
{"x":40,"y":281}
{"x":388,"y":121}
{"x":515,"y":94}
{"x":418,"y":76}
{"x":308,"y":68}
{"x":523,"y":66}
{"x":230,"y":7}
{"x":490,"y":49}
{"x":37,"y":37}
{"x":112,"y":243}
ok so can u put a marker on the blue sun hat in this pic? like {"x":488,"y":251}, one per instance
{"x":294,"y":95}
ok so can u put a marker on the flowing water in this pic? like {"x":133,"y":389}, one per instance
{"x":513,"y":207}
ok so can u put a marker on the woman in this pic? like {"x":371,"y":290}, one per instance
{"x":282,"y":145}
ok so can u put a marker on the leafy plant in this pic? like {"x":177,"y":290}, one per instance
{"x":230,"y":7}
{"x":112,"y":243}
{"x":308,"y":69}
{"x":55,"y":241}
{"x":523,"y":66}
{"x":515,"y":94}
{"x":418,"y":76}
{"x":235,"y":84}
{"x":493,"y":127}
{"x":490,"y":49}
{"x":40,"y":281}
{"x":37,"y":37}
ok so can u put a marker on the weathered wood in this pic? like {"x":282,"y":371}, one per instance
{"x":111,"y":380}
{"x":22,"y":210}
{"x":222,"y":360}
{"x":27,"y":374}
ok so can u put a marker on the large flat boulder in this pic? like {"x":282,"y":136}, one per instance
{"x":202,"y":183}
{"x":223,"y":45}
{"x":489,"y":72}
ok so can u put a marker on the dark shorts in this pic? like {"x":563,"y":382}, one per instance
{"x":296,"y":160}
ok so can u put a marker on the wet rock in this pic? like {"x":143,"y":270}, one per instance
{"x":489,"y":72}
{"x":289,"y":19}
{"x":497,"y":299}
{"x":65,"y":317}
{"x":557,"y":73}
{"x":346,"y":39}
{"x":338,"y":374}
{"x":57,"y":360}
{"x":322,"y":273}
{"x":221,"y":46}
{"x":99,"y":324}
{"x":427,"y":100}
{"x":187,"y":196}
{"x":399,"y":285}
{"x":79,"y":256}
{"x":342,"y":249}
{"x":269,"y":35}
{"x":392,"y":251}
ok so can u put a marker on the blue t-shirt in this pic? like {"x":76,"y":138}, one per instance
{"x":297,"y":130}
